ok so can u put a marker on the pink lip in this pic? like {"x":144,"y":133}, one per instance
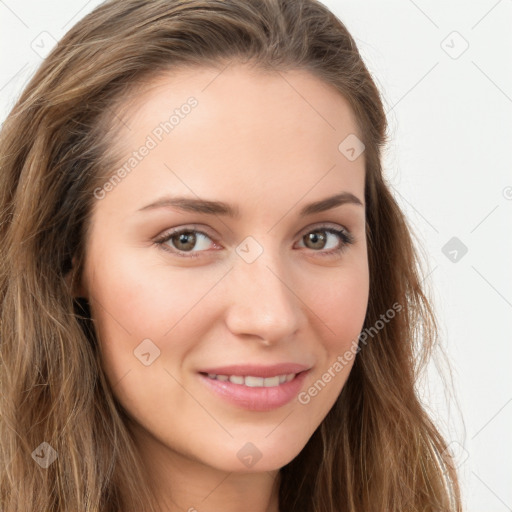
{"x":256,"y":398}
{"x":257,"y":371}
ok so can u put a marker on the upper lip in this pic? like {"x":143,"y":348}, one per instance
{"x":257,"y":371}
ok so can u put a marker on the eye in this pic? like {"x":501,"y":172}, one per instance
{"x":181,"y":242}
{"x":318,"y":238}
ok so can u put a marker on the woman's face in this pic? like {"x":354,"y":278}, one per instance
{"x":270,"y":291}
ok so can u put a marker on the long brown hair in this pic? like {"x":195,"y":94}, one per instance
{"x":377,"y":449}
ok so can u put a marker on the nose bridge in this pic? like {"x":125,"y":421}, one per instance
{"x":262,"y":301}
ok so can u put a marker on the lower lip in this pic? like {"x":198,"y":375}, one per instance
{"x":257,"y":398}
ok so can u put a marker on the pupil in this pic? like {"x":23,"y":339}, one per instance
{"x":183,"y":237}
{"x":313,"y":237}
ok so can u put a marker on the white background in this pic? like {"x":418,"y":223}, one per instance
{"x":449,"y":165}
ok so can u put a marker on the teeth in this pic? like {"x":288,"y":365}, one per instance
{"x":254,"y":382}
{"x":270,"y":382}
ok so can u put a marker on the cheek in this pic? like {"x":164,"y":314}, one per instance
{"x":345,"y":308}
{"x":143,"y":297}
{"x":338,"y":309}
{"x":340,"y":303}
{"x":142,"y":307}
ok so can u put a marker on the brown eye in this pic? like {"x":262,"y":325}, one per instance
{"x":322,"y":241}
{"x":184,"y":241}
{"x":318,"y":240}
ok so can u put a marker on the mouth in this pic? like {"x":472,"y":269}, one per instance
{"x":253,"y":381}
{"x":255,"y":392}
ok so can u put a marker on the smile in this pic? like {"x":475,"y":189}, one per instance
{"x":253,"y":392}
{"x":254,"y":382}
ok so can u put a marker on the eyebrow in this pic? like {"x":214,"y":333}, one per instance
{"x":197,"y":205}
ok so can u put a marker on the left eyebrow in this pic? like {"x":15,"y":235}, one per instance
{"x":329,"y":203}
{"x":197,"y":205}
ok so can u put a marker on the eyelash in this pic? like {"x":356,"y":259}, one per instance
{"x":346,"y":237}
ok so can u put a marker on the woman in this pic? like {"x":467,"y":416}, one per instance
{"x":210,"y":299}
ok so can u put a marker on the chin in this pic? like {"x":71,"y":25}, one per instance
{"x":254,"y":457}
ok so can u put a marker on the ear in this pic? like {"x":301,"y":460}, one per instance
{"x":79,"y":290}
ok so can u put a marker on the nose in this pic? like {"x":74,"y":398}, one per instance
{"x":262,"y":303}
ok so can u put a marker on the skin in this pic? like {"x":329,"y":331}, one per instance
{"x":270,"y":148}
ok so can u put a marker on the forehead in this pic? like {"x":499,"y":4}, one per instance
{"x":264,"y":134}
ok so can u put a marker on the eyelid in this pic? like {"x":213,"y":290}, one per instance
{"x":197,"y":228}
{"x":326,"y":225}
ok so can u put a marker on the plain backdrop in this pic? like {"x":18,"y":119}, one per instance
{"x":444,"y":70}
